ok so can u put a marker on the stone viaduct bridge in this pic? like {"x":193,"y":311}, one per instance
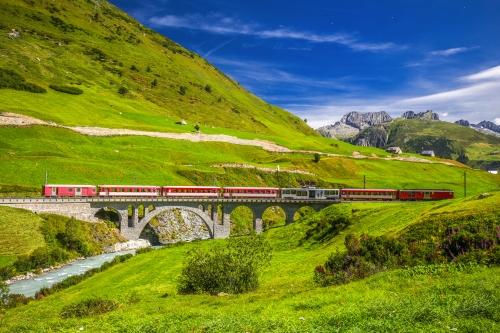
{"x":87,"y":209}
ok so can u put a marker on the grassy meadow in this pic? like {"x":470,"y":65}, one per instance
{"x":28,"y":152}
{"x":288,"y":300}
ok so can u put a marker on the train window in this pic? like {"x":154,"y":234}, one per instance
{"x":294,"y":191}
{"x":70,"y":189}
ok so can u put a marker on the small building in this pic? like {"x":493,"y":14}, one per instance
{"x":394,"y":150}
{"x":493,"y":171}
{"x":427,"y":153}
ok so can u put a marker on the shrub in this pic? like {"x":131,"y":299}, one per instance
{"x":154,"y":83}
{"x":67,"y":90}
{"x":16,"y":300}
{"x":234,"y":268}
{"x":89,"y":307}
{"x":196,"y":127}
{"x":12,"y":80}
{"x":208,"y":89}
{"x":122,"y":90}
{"x":143,"y":250}
{"x":182,"y":90}
{"x":4,"y":294}
{"x":317,"y":157}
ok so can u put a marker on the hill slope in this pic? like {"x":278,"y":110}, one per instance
{"x":129,"y":75}
{"x":288,"y":300}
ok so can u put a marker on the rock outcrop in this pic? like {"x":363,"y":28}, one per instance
{"x":485,"y":127}
{"x":462,"y":122}
{"x":362,"y":121}
{"x":375,"y":136}
{"x":352,"y":123}
{"x":489,"y":125}
{"x":175,"y":225}
{"x":427,"y":114}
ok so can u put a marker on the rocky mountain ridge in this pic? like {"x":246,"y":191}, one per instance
{"x":354,"y":122}
{"x":486,"y":127}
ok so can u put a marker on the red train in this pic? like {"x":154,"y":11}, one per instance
{"x":233,"y":192}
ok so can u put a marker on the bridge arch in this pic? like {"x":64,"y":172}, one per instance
{"x":159,"y":210}
{"x":274,"y":216}
{"x":107,"y":213}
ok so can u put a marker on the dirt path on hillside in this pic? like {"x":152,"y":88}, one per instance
{"x":13,"y":119}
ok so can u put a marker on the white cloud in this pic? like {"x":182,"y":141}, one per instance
{"x":477,"y":99}
{"x":217,"y":23}
{"x":451,"y":51}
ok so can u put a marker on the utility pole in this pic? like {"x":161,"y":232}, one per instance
{"x":213,"y":179}
{"x":46,"y":177}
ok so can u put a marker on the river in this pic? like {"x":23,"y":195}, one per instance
{"x":30,"y":287}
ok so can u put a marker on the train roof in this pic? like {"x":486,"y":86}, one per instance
{"x":250,"y":188}
{"x":368,"y":189}
{"x":426,"y":189}
{"x":68,"y":185}
{"x":173,"y":186}
{"x":131,"y":186}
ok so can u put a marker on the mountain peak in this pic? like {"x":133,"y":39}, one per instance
{"x":427,"y":114}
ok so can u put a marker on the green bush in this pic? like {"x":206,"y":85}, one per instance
{"x":143,"y":250}
{"x":89,"y":307}
{"x":67,"y":90}
{"x":12,"y":80}
{"x":234,"y":268}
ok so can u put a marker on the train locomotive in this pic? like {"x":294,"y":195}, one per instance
{"x":240,"y":192}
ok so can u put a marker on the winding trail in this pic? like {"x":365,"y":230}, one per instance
{"x":13,"y":119}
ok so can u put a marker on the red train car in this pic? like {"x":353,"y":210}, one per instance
{"x":55,"y":191}
{"x":425,"y":194}
{"x":368,"y":194}
{"x":129,"y":191}
{"x":250,"y":192}
{"x":191,"y":191}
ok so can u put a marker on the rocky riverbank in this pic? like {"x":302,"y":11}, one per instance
{"x":118,"y":247}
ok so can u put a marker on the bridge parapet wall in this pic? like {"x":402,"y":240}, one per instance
{"x":80,"y":211}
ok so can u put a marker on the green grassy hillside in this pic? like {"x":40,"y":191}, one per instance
{"x":461,"y":140}
{"x":446,"y":139}
{"x":288,"y":300}
{"x":130,"y":76}
{"x":27,"y":153}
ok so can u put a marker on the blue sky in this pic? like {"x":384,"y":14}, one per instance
{"x":322,"y":59}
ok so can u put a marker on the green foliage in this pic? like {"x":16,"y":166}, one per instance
{"x":464,"y":159}
{"x":182,"y":90}
{"x":122,"y":91}
{"x":208,"y":88}
{"x":143,"y":250}
{"x":196,"y":127}
{"x":154,"y":83}
{"x":4,"y":294}
{"x":233,"y":269}
{"x":67,"y":90}
{"x":468,"y":239}
{"x":134,"y":68}
{"x":12,"y":80}
{"x":88,"y":308}
{"x":317,"y":157}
